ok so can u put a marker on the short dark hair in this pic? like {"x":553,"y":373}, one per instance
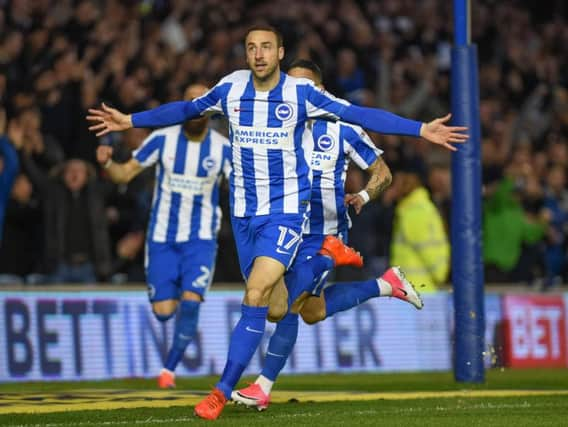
{"x":270,"y":29}
{"x":308,"y":65}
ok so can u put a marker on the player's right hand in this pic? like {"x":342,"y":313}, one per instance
{"x":104,"y":154}
{"x":108,"y":120}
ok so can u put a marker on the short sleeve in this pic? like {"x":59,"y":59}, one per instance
{"x":359,"y":147}
{"x":320,"y":104}
{"x":149,"y":151}
{"x":214,"y":101}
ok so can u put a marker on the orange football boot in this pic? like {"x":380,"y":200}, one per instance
{"x":166,"y":379}
{"x":211,"y":407}
{"x":340,"y":253}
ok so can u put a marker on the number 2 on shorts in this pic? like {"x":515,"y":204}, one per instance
{"x":203,"y":280}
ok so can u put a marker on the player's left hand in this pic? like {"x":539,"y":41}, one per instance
{"x":438,"y":133}
{"x":354,"y":200}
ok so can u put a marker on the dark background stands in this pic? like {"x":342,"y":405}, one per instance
{"x":58,"y":58}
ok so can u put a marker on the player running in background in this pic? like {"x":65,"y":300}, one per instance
{"x":185,"y":219}
{"x":335,"y":145}
{"x":270,"y":182}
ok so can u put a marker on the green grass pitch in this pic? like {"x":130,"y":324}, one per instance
{"x":508,"y":398}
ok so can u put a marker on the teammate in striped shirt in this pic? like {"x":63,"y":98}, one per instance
{"x":336,"y":144}
{"x":270,"y":181}
{"x":181,"y":245}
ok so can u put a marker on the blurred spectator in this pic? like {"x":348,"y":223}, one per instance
{"x":127,"y":210}
{"x":419,"y":243}
{"x":440,"y":185}
{"x":556,"y":201}
{"x":350,"y":77}
{"x":20,"y":251}
{"x":45,"y":149}
{"x":506,"y":227}
{"x":9,"y":164}
{"x":492,"y":166}
{"x":77,"y":247}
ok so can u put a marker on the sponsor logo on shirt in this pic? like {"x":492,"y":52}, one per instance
{"x":190,"y":185}
{"x":267,"y":137}
{"x":323,"y":161}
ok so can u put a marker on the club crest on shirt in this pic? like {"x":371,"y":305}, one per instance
{"x":326,"y":142}
{"x":208,"y":163}
{"x":284,"y":111}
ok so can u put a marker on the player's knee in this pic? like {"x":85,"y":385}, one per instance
{"x":276,"y":313}
{"x":311,"y":316}
{"x":257,"y":297}
{"x":163,"y":317}
{"x":164,"y":310}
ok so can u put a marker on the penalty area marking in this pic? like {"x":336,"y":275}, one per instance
{"x":80,"y":400}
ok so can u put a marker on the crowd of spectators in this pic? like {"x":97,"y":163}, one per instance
{"x":65,"y":221}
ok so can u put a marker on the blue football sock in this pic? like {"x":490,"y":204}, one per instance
{"x":245,"y":339}
{"x":343,"y":296}
{"x":303,"y":277}
{"x":280,"y":346}
{"x":186,"y":327}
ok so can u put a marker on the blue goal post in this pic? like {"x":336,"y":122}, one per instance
{"x":466,"y":222}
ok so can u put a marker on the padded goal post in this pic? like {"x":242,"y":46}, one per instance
{"x":466,"y":221}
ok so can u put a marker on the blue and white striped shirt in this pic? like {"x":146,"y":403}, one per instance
{"x":271,"y":171}
{"x":186,"y":193}
{"x":335,"y":145}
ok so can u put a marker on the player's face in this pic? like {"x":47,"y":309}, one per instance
{"x":263,"y":54}
{"x":198,"y":125}
{"x":304,"y":73}
{"x":194,"y":91}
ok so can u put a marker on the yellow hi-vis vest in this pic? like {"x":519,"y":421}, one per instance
{"x":419,"y":242}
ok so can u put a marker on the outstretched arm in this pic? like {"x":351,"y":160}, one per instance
{"x":382,"y":121}
{"x":109,"y":119}
{"x":326,"y":106}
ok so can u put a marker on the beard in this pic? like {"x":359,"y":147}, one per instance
{"x":195,"y":126}
{"x":267,"y":75}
